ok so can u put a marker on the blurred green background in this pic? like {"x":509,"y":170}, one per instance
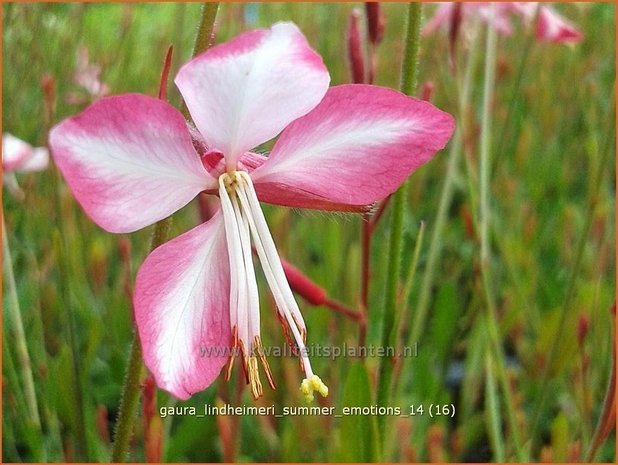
{"x":73,"y":284}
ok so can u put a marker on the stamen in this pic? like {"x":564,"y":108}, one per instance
{"x":276,"y":285}
{"x":269,"y":246}
{"x":233,"y":248}
{"x":238,"y":281}
{"x":273,"y":269}
{"x":303,"y":330}
{"x":260,"y":351}
{"x":313,"y":384}
{"x":253,"y":303}
{"x":244,"y":220}
{"x":230,"y":364}
{"x":286,"y":330}
{"x":243,"y":354}
{"x":254,"y":377}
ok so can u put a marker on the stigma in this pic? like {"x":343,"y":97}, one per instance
{"x":245,"y":224}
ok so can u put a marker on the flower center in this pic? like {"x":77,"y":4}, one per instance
{"x":244,"y":221}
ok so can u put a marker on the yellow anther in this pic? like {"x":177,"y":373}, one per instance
{"x":311,"y":385}
{"x":254,"y":377}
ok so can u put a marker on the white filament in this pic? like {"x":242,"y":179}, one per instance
{"x":271,"y":264}
{"x":253,"y":325}
{"x":239,"y":306}
{"x":243,"y":219}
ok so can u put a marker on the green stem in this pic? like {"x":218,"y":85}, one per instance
{"x":608,"y":411}
{"x":409,"y":75}
{"x":486,"y":126}
{"x":516,"y":86}
{"x":446,"y":196}
{"x":203,"y":39}
{"x":69,"y":326}
{"x":407,"y":289}
{"x":21,"y":346}
{"x":409,"y":68}
{"x":131,"y":388}
{"x":484,"y":217}
{"x":607,"y":149}
{"x":492,"y":409}
{"x":132,"y":384}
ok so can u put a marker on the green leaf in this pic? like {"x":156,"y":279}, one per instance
{"x":358,"y":432}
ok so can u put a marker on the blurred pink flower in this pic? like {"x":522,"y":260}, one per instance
{"x":131,"y":160}
{"x":88,"y":77}
{"x":441,"y":19}
{"x":550,"y":26}
{"x":554,"y":28}
{"x":18,"y":155}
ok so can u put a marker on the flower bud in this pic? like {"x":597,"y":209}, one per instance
{"x":427,"y":91}
{"x":355,"y":49}
{"x":102,"y":423}
{"x":375,"y":22}
{"x":304,"y":286}
{"x":582,"y":329}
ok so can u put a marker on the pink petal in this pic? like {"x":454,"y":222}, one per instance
{"x":15,"y":152}
{"x":440,"y":18}
{"x":181,"y":304}
{"x":554,"y":28}
{"x":129,"y":161}
{"x":244,"y":92}
{"x":356,"y":147}
{"x":494,"y":14}
{"x":526,"y":10}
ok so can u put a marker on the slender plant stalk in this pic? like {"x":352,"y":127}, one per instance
{"x":10,"y":383}
{"x":366,"y":235}
{"x":446,"y":197}
{"x":68,"y":321}
{"x":60,"y":240}
{"x":402,"y":322}
{"x":484,"y":218}
{"x":581,"y":245}
{"x":486,"y":127}
{"x":409,"y":69}
{"x":21,"y":346}
{"x":492,"y":409}
{"x":608,"y":413}
{"x":203,"y":39}
{"x":407,"y":289}
{"x":367,"y":229}
{"x":516,"y":86}
{"x":131,"y":389}
{"x":409,"y":76}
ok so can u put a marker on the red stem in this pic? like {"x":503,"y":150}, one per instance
{"x":165,"y":73}
{"x":375,"y":218}
{"x":366,"y":234}
{"x":342,"y":309}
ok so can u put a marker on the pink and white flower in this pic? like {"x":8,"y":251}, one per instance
{"x":550,"y":26}
{"x":87,"y":76}
{"x":18,"y":155}
{"x":132,"y":160}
